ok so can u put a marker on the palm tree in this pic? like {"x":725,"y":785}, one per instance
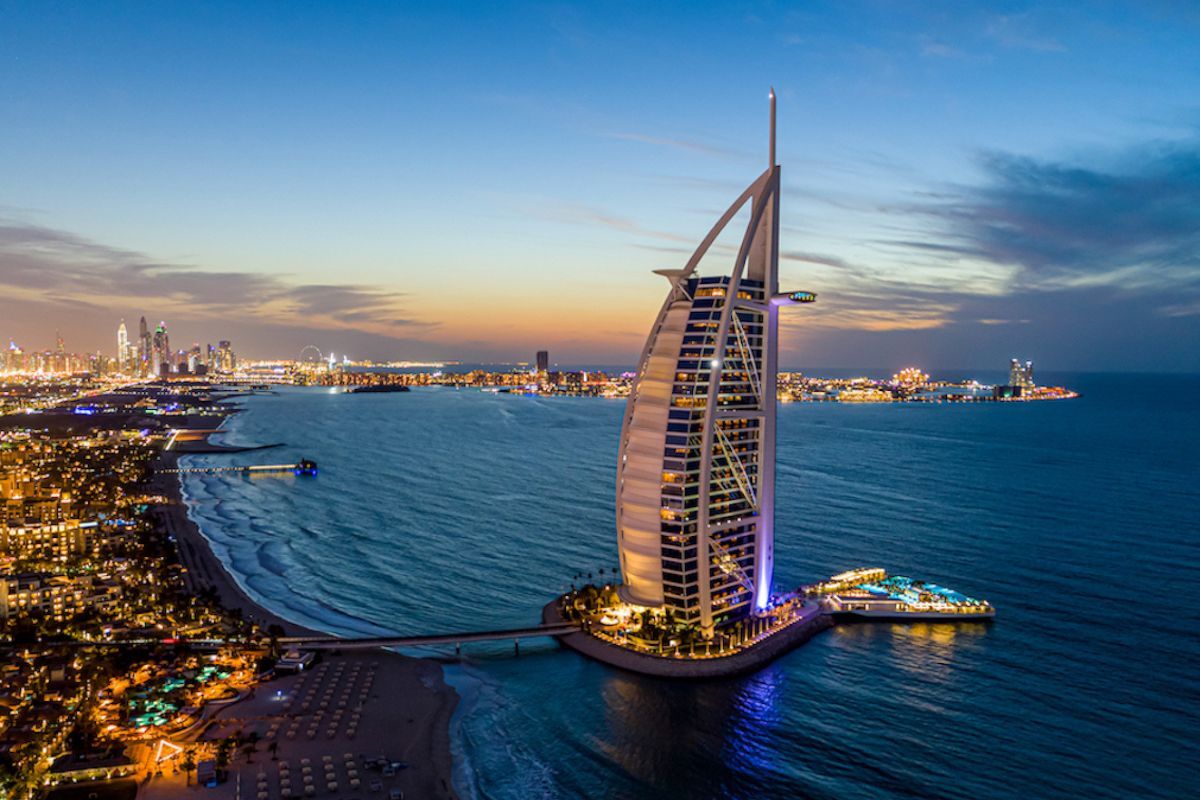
{"x":275,"y":631}
{"x":189,"y":764}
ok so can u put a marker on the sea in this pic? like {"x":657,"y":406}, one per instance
{"x":448,"y":509}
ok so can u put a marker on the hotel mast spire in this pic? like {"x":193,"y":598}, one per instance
{"x":772,"y":126}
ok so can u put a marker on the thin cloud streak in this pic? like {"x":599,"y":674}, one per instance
{"x":1017,"y":31}
{"x":685,"y":145}
{"x":56,"y":267}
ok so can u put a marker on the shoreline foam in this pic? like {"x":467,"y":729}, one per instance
{"x":428,"y":697}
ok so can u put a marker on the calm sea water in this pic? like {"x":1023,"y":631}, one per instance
{"x":445,"y":510}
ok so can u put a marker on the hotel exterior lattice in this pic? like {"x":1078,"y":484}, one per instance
{"x":696,"y":466}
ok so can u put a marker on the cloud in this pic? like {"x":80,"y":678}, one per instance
{"x":685,"y":145}
{"x":1017,"y":31}
{"x":59,"y":269}
{"x":936,"y":48}
{"x":579,"y":214}
{"x":815,"y":258}
{"x":1091,"y":261}
{"x":1133,"y":224}
{"x":987,"y":321}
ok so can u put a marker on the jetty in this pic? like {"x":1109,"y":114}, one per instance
{"x":302,"y":467}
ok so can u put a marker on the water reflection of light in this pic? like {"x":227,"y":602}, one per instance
{"x":928,"y":651}
{"x":674,"y":733}
{"x":925,"y":652}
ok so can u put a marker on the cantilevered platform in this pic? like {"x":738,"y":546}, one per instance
{"x":694,"y":663}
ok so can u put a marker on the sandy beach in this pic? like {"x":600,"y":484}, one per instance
{"x":403,"y":713}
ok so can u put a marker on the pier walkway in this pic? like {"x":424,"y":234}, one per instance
{"x":456,"y":639}
{"x":334,"y":642}
{"x":251,"y":469}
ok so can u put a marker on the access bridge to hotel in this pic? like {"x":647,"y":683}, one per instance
{"x":553,"y":630}
{"x":456,"y":639}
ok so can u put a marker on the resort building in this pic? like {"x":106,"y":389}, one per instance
{"x":56,"y":541}
{"x":696,"y":466}
{"x":1020,"y":374}
{"x":88,"y":768}
{"x":55,"y":597}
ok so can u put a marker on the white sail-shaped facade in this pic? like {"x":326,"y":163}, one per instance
{"x":696,"y":466}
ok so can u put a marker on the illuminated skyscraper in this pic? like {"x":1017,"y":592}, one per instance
{"x":696,"y":466}
{"x":122,"y":347}
{"x":144,"y":347}
{"x":225,"y":359}
{"x":1020,"y":374}
{"x":161,"y":351}
{"x":543,"y":362}
{"x":195,"y":357}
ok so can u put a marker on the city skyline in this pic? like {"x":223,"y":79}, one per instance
{"x":145,"y":354}
{"x":968,"y":184}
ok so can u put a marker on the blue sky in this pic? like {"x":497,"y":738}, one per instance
{"x":963,"y":182}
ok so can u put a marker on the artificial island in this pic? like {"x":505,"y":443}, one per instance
{"x":695,"y":489}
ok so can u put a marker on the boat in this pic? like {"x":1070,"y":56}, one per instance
{"x":870,"y":593}
{"x":377,"y":388}
{"x":306,"y":466}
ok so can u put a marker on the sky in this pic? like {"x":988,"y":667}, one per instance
{"x":962,"y":182}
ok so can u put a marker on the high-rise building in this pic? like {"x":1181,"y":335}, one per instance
{"x":144,"y":347}
{"x":14,"y":358}
{"x":543,"y":362}
{"x":224,"y":359}
{"x":1020,"y":374}
{"x":696,"y":465}
{"x":59,"y":363}
{"x":161,"y":360}
{"x":122,"y":347}
{"x":195,"y":358}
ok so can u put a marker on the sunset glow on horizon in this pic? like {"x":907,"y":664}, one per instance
{"x":481,"y":183}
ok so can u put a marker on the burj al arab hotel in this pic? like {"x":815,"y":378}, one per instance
{"x":696,"y":466}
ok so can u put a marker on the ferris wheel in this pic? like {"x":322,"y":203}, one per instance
{"x":311,"y":354}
